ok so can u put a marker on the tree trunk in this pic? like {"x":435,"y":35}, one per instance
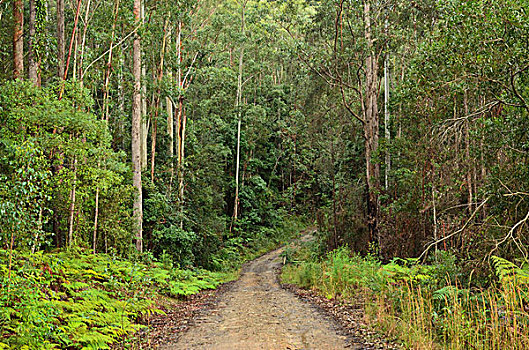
{"x":34,"y":247}
{"x":121,"y":98}
{"x":72,"y":41}
{"x":387,"y":132}
{"x":109,"y":65}
{"x":468,"y":160}
{"x":60,"y":38}
{"x":334,"y":211}
{"x":181,"y":166}
{"x":72,"y":204}
{"x":144,"y":131}
{"x":170,"y":134}
{"x":371,"y":126}
{"x":145,"y":125}
{"x":96,"y":218}
{"x":83,"y":42}
{"x":170,"y":115}
{"x":157,"y":102}
{"x":238,"y":104}
{"x":136,"y":125}
{"x":18,"y":40}
{"x":180,"y":127}
{"x":154,"y":131}
{"x":169,"y":110}
{"x":33,"y":65}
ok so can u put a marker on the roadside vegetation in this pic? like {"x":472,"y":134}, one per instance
{"x":74,"y":299}
{"x":433,"y":305}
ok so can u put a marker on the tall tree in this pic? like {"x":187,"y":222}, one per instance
{"x":238,"y":106}
{"x":18,"y":40}
{"x":387,"y":130}
{"x":145,"y":120}
{"x":181,"y":121}
{"x":371,"y":122}
{"x":159,"y":74}
{"x":60,"y":39}
{"x":169,"y":109}
{"x":136,"y":125}
{"x":33,"y":70}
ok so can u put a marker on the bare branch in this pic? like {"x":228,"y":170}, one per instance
{"x":106,"y":52}
{"x":348,"y":107}
{"x":456,"y":232}
{"x":513,"y":85}
{"x":509,"y":235}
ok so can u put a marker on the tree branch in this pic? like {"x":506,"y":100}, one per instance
{"x":456,"y":232}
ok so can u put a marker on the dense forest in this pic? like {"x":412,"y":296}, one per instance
{"x":194,"y":135}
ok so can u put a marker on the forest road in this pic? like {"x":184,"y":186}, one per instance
{"x":256,"y":313}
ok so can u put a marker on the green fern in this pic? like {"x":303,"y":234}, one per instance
{"x":508,"y":271}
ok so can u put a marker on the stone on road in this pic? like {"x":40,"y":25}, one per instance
{"x":256,"y":313}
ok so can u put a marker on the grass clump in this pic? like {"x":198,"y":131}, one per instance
{"x":425,"y":306}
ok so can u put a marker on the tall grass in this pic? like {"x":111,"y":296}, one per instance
{"x":416,"y":305}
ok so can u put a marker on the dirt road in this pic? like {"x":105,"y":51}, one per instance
{"x":257,"y":314}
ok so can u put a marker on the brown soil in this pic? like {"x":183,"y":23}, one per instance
{"x":256,"y":313}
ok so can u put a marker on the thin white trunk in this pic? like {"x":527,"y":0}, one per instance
{"x":72,"y":204}
{"x":169,"y":108}
{"x":83,"y":41}
{"x":180,"y":127}
{"x":182,"y":155}
{"x":96,"y":218}
{"x":136,"y":126}
{"x":60,"y":38}
{"x":144,"y":131}
{"x":238,"y":104}
{"x":109,"y":64}
{"x":121,"y":97}
{"x":39,"y":230}
{"x":387,"y":131}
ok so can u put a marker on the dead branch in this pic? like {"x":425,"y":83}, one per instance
{"x":456,"y":232}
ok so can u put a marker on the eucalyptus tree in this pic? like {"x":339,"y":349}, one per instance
{"x":60,"y":38}
{"x":238,"y":106}
{"x":136,"y":125}
{"x":18,"y":39}
{"x":351,"y":52}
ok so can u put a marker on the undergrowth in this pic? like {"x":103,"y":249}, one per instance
{"x":236,"y":250}
{"x":77,"y":300}
{"x":425,"y":306}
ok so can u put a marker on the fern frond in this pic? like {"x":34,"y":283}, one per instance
{"x":508,"y":271}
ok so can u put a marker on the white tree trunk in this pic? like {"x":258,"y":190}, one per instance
{"x":136,"y":125}
{"x":238,"y":104}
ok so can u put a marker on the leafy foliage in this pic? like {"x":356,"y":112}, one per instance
{"x":83,"y":301}
{"x":420,"y":303}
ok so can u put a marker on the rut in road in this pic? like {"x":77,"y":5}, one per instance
{"x":256,"y":313}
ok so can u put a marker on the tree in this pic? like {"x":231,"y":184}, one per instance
{"x":354,"y":70}
{"x":60,"y":39}
{"x":136,"y":125}
{"x":33,"y":77}
{"x":18,"y":39}
{"x":238,"y":107}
